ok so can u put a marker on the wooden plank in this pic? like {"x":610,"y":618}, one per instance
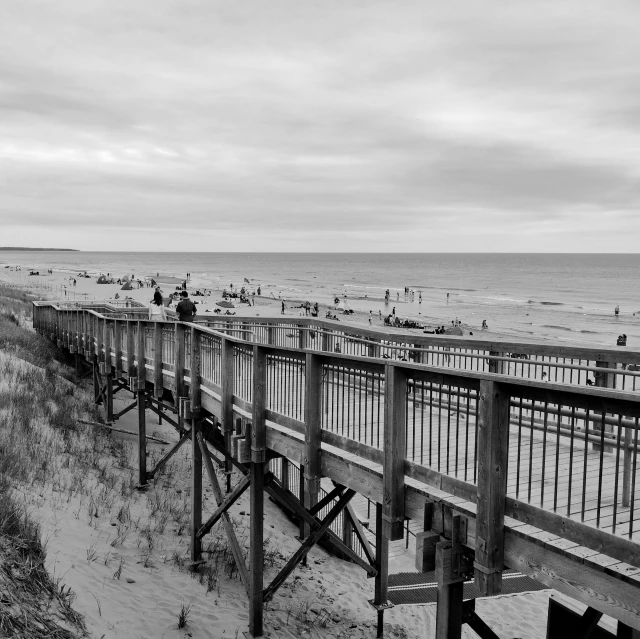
{"x":131,"y":348}
{"x":394,"y":449}
{"x":226,"y":393}
{"x":117,"y":338}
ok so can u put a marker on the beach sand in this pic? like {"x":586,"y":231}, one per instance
{"x":58,"y":286}
{"x":329,"y":598}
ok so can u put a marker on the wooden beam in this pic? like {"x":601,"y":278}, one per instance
{"x":226,"y":400}
{"x":450,"y":595}
{"x":117,"y":339}
{"x":131,"y":348}
{"x":493,"y":459}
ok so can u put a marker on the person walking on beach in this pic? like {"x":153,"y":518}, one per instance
{"x":282,"y":307}
{"x":393,"y":312}
{"x":370,"y":317}
{"x":156,"y":308}
{"x":420,"y":297}
{"x":186,"y":309}
{"x":617,"y":310}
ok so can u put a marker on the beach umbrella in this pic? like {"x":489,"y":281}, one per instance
{"x":125,"y":278}
{"x":225,"y":304}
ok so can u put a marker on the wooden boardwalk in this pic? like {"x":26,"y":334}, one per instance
{"x":458,"y":449}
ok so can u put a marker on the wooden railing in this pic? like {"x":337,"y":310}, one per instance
{"x":562,"y":457}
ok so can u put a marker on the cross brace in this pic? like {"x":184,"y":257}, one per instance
{"x":223,"y":507}
{"x":186,"y":437}
{"x":314,"y":537}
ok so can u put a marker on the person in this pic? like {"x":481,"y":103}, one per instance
{"x":156,"y":308}
{"x":370,"y":317}
{"x":420,"y":297}
{"x":447,"y":298}
{"x":617,"y":310}
{"x":484,"y":325}
{"x":338,"y":350}
{"x":258,"y":290}
{"x":282,"y":307}
{"x":186,"y":309}
{"x":393,"y":312}
{"x":397,"y":296}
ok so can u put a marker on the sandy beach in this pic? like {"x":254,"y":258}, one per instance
{"x":60,"y":285}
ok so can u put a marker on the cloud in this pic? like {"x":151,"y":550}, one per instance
{"x":312,"y":125}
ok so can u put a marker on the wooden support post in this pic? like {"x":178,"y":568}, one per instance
{"x":258,"y":459}
{"x":142,"y":405}
{"x":426,"y":542}
{"x":109,"y":395}
{"x":285,"y":473}
{"x":157,"y":360}
{"x":395,"y":410}
{"x":380,"y":600}
{"x":226,"y":401}
{"x":106,"y":342}
{"x":450,"y":595}
{"x":493,"y":457}
{"x":196,"y":426}
{"x":313,"y":432}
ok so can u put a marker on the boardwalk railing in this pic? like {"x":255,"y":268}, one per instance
{"x":460,"y":422}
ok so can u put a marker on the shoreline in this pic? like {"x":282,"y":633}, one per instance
{"x":87,"y":289}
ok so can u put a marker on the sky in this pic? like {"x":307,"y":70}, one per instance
{"x":207,"y":125}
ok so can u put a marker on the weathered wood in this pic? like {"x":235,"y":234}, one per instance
{"x":226,"y":521}
{"x":313,"y":420}
{"x":196,"y":429}
{"x":178,"y":366}
{"x":141,"y":400}
{"x":381,"y":589}
{"x":493,"y":457}
{"x":109,"y":395}
{"x":450,"y":592}
{"x":395,"y":397}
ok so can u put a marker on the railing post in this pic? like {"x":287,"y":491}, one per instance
{"x":117,"y":338}
{"x":493,"y":458}
{"x":131,"y":326}
{"x":395,"y":410}
{"x":496,"y":365}
{"x":627,"y":467}
{"x":302,"y":337}
{"x":179,"y":348}
{"x":258,"y":459}
{"x":196,"y":470}
{"x":604,"y":380}
{"x":142,"y":405}
{"x":226,"y":400}
{"x":270,"y":334}
{"x":157,"y":360}
{"x":313,"y":432}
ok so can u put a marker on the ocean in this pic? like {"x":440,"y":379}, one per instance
{"x":565,"y":297}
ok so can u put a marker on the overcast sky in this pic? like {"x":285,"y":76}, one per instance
{"x":326,"y":125}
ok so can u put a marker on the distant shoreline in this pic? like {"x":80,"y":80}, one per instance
{"x":29,"y":248}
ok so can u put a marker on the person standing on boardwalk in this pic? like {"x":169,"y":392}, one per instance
{"x":156,"y":309}
{"x":186,"y":309}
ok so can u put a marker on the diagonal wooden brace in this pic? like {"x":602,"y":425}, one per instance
{"x":228,"y":526}
{"x":276,"y":491}
{"x":125,"y":410}
{"x":186,"y":437}
{"x":224,"y":507}
{"x":311,"y":541}
{"x":164,"y":416}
